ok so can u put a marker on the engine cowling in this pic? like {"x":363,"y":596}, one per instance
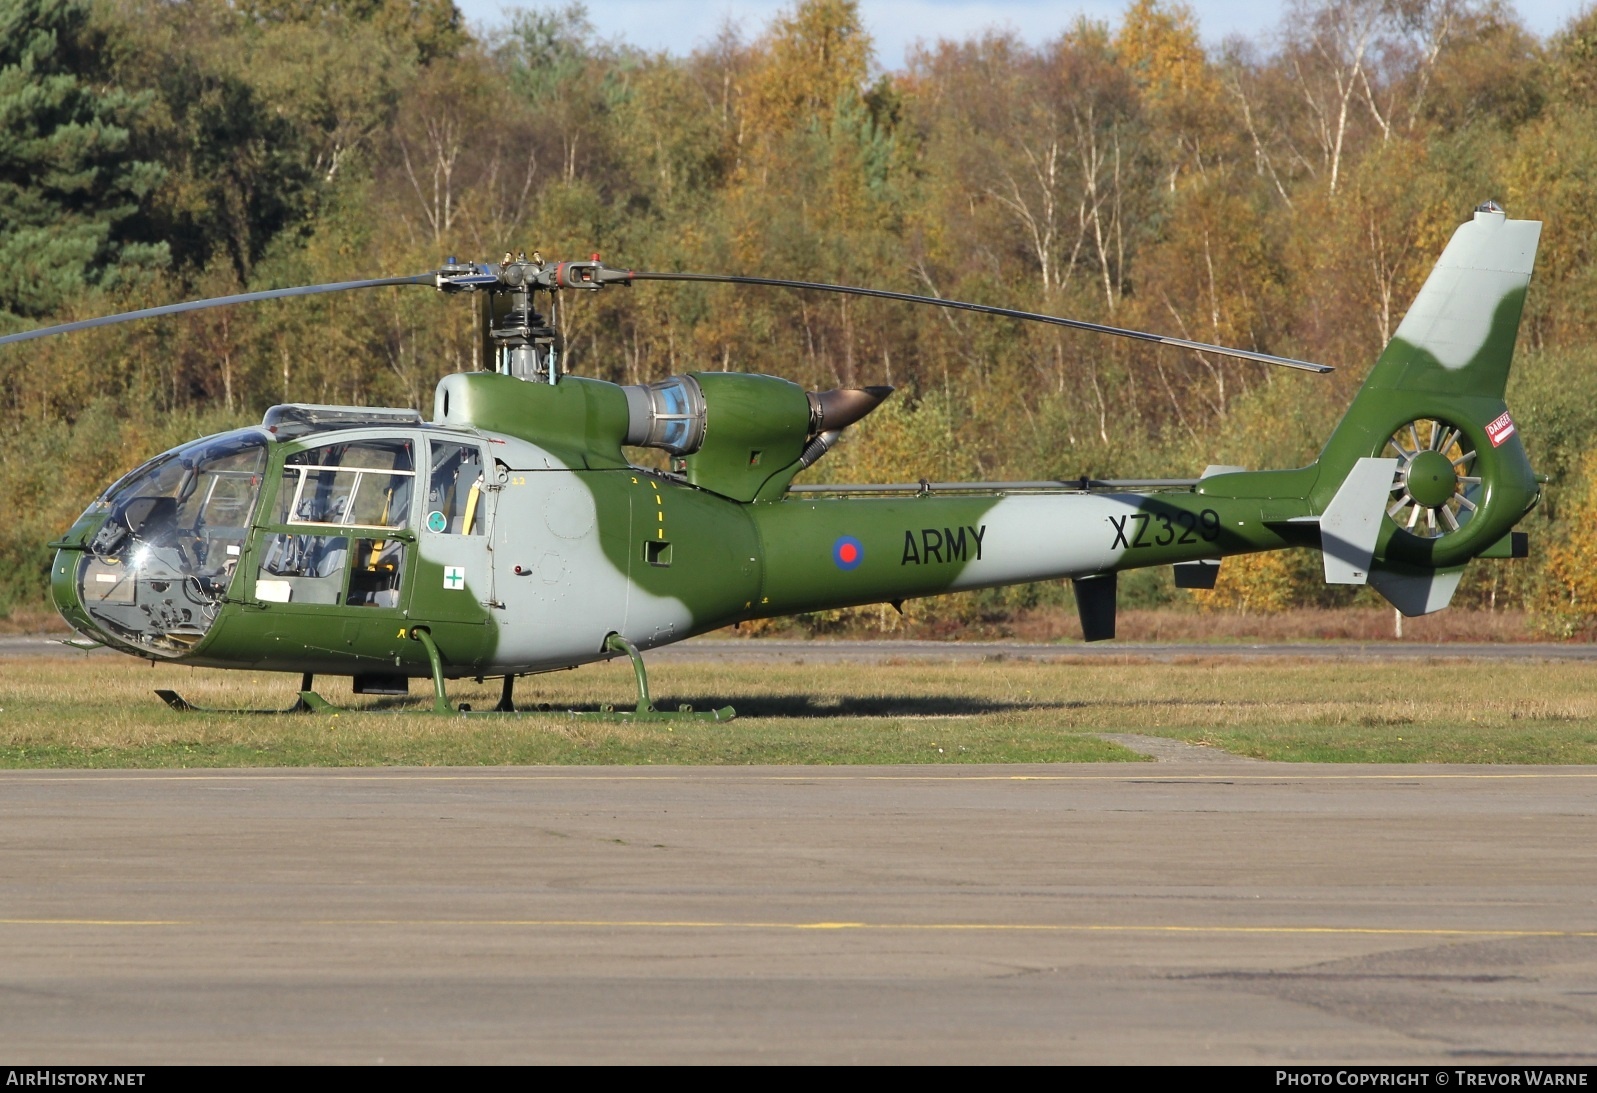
{"x":741,"y":435}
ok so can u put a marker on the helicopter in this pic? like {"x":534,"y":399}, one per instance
{"x":510,"y":534}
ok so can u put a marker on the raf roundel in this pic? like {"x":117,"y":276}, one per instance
{"x":848,"y":552}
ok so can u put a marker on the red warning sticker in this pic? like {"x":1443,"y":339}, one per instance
{"x":1500,"y":430}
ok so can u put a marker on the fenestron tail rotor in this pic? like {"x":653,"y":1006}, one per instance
{"x":1433,"y":491}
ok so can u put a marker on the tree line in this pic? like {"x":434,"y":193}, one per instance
{"x":1285,"y":193}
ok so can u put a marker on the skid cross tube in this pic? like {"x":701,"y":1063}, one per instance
{"x":645,"y":711}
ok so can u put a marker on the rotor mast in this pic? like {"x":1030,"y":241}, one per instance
{"x":514,"y":338}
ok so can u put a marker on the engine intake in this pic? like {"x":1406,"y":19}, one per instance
{"x":668,"y":415}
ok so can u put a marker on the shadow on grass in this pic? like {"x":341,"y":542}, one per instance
{"x":813,"y":706}
{"x":803,"y":705}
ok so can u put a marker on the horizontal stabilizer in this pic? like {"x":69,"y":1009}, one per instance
{"x":1352,"y":521}
{"x":1516,"y":544}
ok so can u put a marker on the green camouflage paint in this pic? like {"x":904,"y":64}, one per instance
{"x":575,"y":544}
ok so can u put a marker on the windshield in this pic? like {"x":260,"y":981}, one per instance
{"x":157,"y":570}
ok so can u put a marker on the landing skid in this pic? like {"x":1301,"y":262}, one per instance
{"x":301,"y":705}
{"x":311,"y":702}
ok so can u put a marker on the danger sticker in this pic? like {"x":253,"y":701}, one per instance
{"x":1500,"y":430}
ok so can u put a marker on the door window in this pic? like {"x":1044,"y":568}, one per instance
{"x":455,"y":489}
{"x":365,"y":484}
{"x":368,"y":484}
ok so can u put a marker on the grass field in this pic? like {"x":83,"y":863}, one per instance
{"x":100,"y":711}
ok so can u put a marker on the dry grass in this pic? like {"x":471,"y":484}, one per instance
{"x":100,"y":711}
{"x":1059,"y":624}
{"x":1307,"y":624}
{"x":1052,"y":624}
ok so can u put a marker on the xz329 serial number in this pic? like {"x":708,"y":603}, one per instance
{"x":1145,"y":529}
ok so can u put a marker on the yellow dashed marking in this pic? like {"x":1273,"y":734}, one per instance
{"x":96,"y":922}
{"x":965,"y":927}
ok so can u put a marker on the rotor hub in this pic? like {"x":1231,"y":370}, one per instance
{"x":1436,"y":490}
{"x":1431,"y":479}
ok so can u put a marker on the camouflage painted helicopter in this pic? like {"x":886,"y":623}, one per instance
{"x":511,"y":535}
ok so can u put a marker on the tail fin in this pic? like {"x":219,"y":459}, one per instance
{"x":1432,"y":409}
{"x":1458,"y":337}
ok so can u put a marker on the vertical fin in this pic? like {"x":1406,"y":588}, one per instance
{"x":1458,"y":336}
{"x":1416,"y":591}
{"x":1451,"y":353}
{"x":1095,"y":606}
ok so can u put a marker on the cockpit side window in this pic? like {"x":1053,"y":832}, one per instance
{"x":363,"y":483}
{"x":223,"y":490}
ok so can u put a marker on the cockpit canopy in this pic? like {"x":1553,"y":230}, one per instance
{"x":209,"y":483}
{"x":156,"y":570}
{"x":341,"y":504}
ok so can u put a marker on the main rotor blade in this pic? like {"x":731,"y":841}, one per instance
{"x":985,"y":309}
{"x":216,"y":301}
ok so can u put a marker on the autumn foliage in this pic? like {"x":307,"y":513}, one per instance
{"x":1285,"y":193}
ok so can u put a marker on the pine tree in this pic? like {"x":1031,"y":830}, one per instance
{"x":69,"y":183}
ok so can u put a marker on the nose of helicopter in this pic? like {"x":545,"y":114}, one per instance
{"x":64,"y":593}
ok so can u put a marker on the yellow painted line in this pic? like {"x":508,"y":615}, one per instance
{"x":97,"y":922}
{"x":963,"y":927}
